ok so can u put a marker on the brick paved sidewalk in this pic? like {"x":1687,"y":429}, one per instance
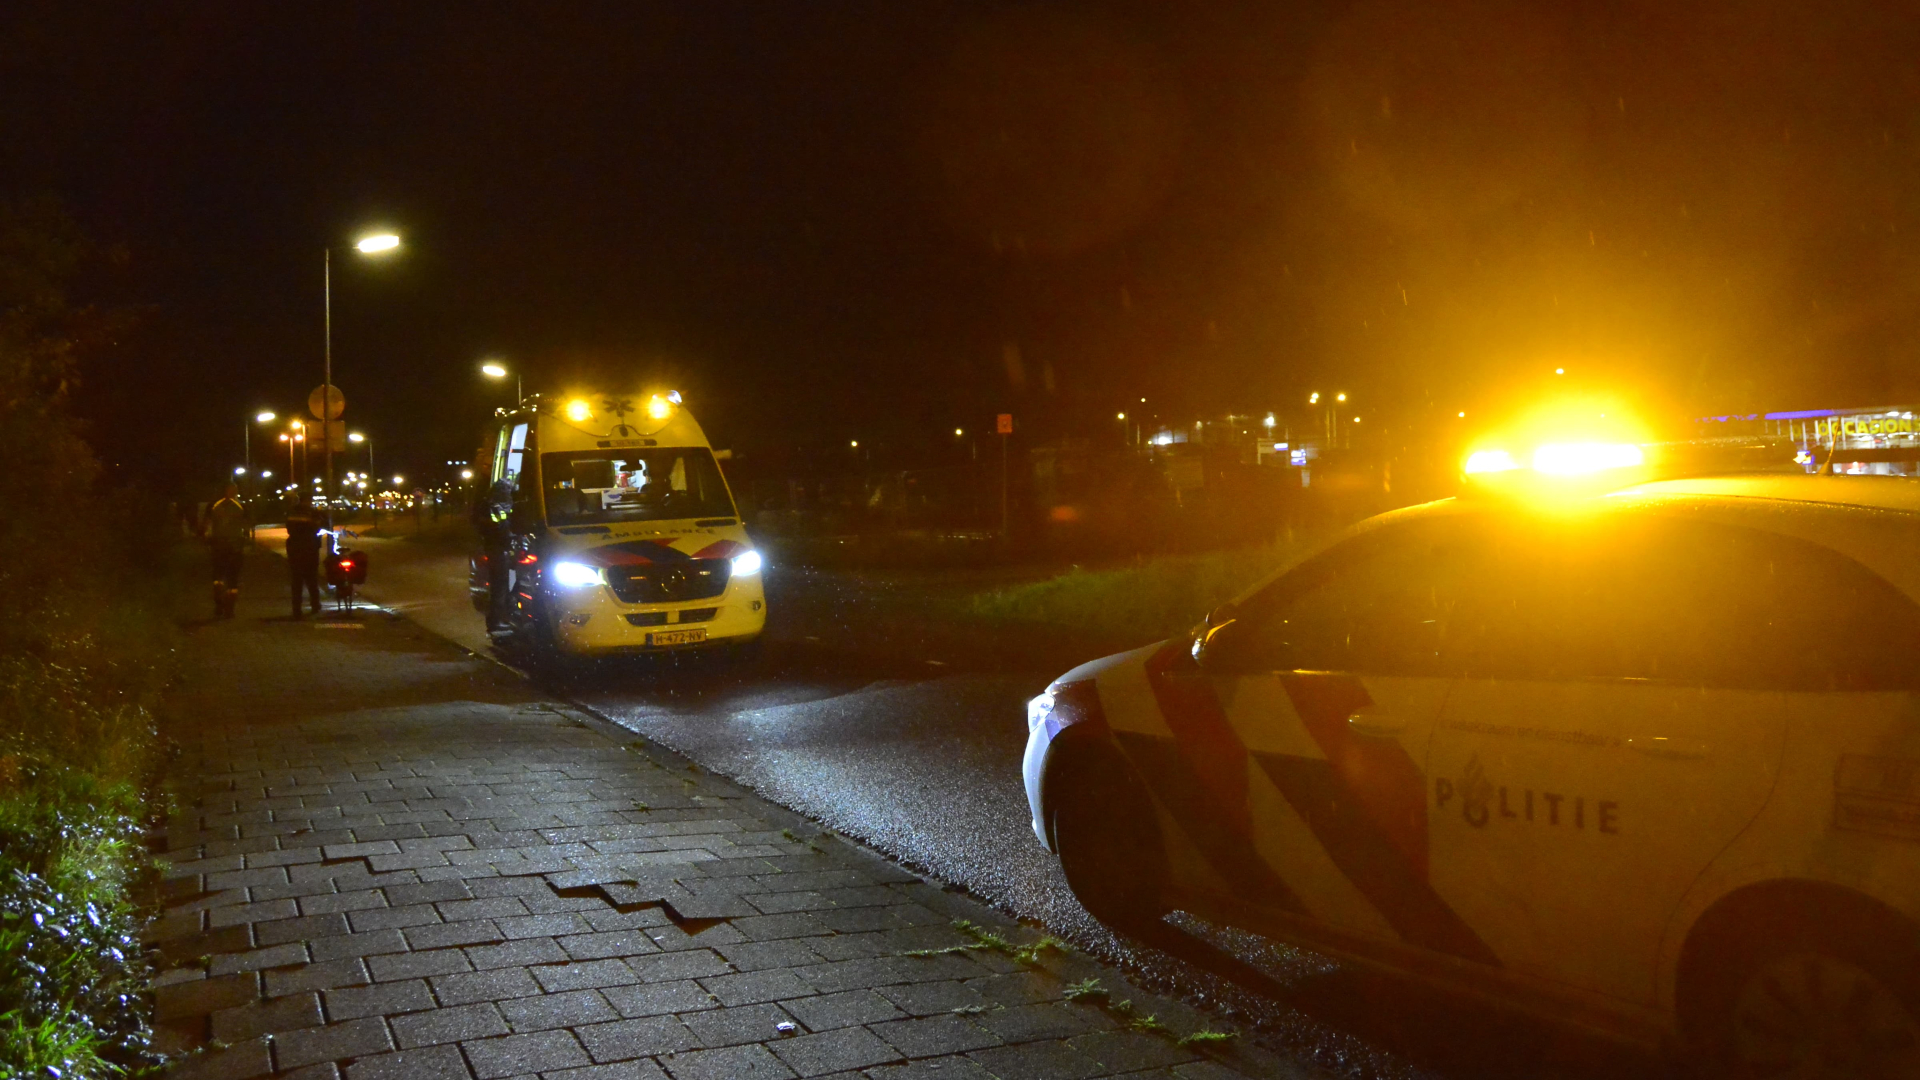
{"x":391,"y":859}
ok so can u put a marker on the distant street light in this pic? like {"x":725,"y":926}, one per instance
{"x":239,"y":470}
{"x":398,"y":480}
{"x":373,"y":245}
{"x":466,"y":474}
{"x":493,"y":369}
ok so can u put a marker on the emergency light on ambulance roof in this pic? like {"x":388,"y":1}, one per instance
{"x":660,"y":407}
{"x":579,"y":411}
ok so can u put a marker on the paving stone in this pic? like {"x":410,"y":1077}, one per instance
{"x":346,"y":900}
{"x":512,"y":1055}
{"x":945,"y":1068}
{"x":729,"y":1063}
{"x":415,"y":965}
{"x":1037,"y":1061}
{"x":371,"y":944}
{"x":614,"y":943}
{"x":1026,"y":1023}
{"x":933,"y":1036}
{"x":386,"y":999}
{"x":240,"y":1062}
{"x":427,"y":893}
{"x":203,"y":996}
{"x":282,"y":930}
{"x":844,"y":1009}
{"x":646,"y":1037}
{"x":558,"y":1010}
{"x":325,"y":1070}
{"x":267,"y":1017}
{"x":523,"y":953}
{"x":730,"y":1027}
{"x":448,"y":935}
{"x":325,"y":976}
{"x":426,"y":1063}
{"x":448,"y":1025}
{"x":353,"y":1039}
{"x":496,"y":985}
{"x":756,"y":955}
{"x":258,"y":959}
{"x":1130,"y":1051}
{"x":640,"y":1069}
{"x":653,"y":999}
{"x":754,"y":986}
{"x":236,"y":914}
{"x":393,"y":918}
{"x":834,"y":1051}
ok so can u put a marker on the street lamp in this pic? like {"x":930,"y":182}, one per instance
{"x":375,"y":244}
{"x":246,"y":435}
{"x":493,"y":369}
{"x":362,"y":437}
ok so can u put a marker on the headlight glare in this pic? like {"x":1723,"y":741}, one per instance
{"x":747,"y":564}
{"x":574,"y":575}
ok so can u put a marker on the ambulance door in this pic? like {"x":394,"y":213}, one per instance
{"x":1342,"y":669}
{"x":1620,"y":724}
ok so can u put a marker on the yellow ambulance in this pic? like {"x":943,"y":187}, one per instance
{"x":612,"y":529}
{"x":1645,"y":760}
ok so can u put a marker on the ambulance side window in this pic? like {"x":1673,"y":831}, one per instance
{"x":1383,"y":605}
{"x":1688,"y":603}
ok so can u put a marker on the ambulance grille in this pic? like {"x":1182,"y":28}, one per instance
{"x":666,"y":583}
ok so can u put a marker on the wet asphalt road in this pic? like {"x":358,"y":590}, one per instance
{"x":872,"y":715}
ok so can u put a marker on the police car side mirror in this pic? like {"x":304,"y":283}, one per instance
{"x":1213,"y":639}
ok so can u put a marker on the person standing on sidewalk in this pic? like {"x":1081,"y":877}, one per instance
{"x":303,"y":553}
{"x":227,"y":534}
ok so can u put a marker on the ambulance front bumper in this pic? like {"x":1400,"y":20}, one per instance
{"x":593,"y":621}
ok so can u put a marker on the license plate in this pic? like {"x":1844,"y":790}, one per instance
{"x":677,"y":637}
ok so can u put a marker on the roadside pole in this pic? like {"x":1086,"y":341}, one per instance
{"x":1004,"y":427}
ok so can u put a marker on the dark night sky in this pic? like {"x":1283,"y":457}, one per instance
{"x":884,"y":219}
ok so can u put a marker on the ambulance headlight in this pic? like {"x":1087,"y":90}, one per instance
{"x":747,"y":565}
{"x":574,"y":575}
{"x":1038,"y":707}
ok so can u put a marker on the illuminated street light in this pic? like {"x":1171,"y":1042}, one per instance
{"x":466,"y":474}
{"x":855,"y":444}
{"x":1120,"y":416}
{"x":356,"y":437}
{"x":372,"y":244}
{"x":264,"y":418}
{"x":494,"y":369}
{"x":1559,"y":371}
{"x":958,"y":432}
{"x":1341,"y":396}
{"x":398,"y":480}
{"x":239,"y":470}
{"x":1268,"y":422}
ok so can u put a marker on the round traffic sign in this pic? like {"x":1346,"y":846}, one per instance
{"x":327,"y":402}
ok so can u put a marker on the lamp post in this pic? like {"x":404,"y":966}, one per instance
{"x":361,"y":437}
{"x":246,"y":432}
{"x":493,"y":369}
{"x":377,"y":244}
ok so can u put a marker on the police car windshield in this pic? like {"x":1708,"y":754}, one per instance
{"x":587,"y":487}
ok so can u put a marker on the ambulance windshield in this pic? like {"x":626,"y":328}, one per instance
{"x":589,"y":487}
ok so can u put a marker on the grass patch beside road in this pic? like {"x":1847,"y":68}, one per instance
{"x":1146,"y":601}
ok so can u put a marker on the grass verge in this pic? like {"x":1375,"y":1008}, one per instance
{"x":1145,"y":601}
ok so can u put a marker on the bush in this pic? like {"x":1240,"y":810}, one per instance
{"x":81,"y":665}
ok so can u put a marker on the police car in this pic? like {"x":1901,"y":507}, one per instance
{"x":1648,"y":760}
{"x":620,"y":534}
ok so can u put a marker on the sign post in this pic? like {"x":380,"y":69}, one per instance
{"x":1003,"y":426}
{"x":326,"y":402}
